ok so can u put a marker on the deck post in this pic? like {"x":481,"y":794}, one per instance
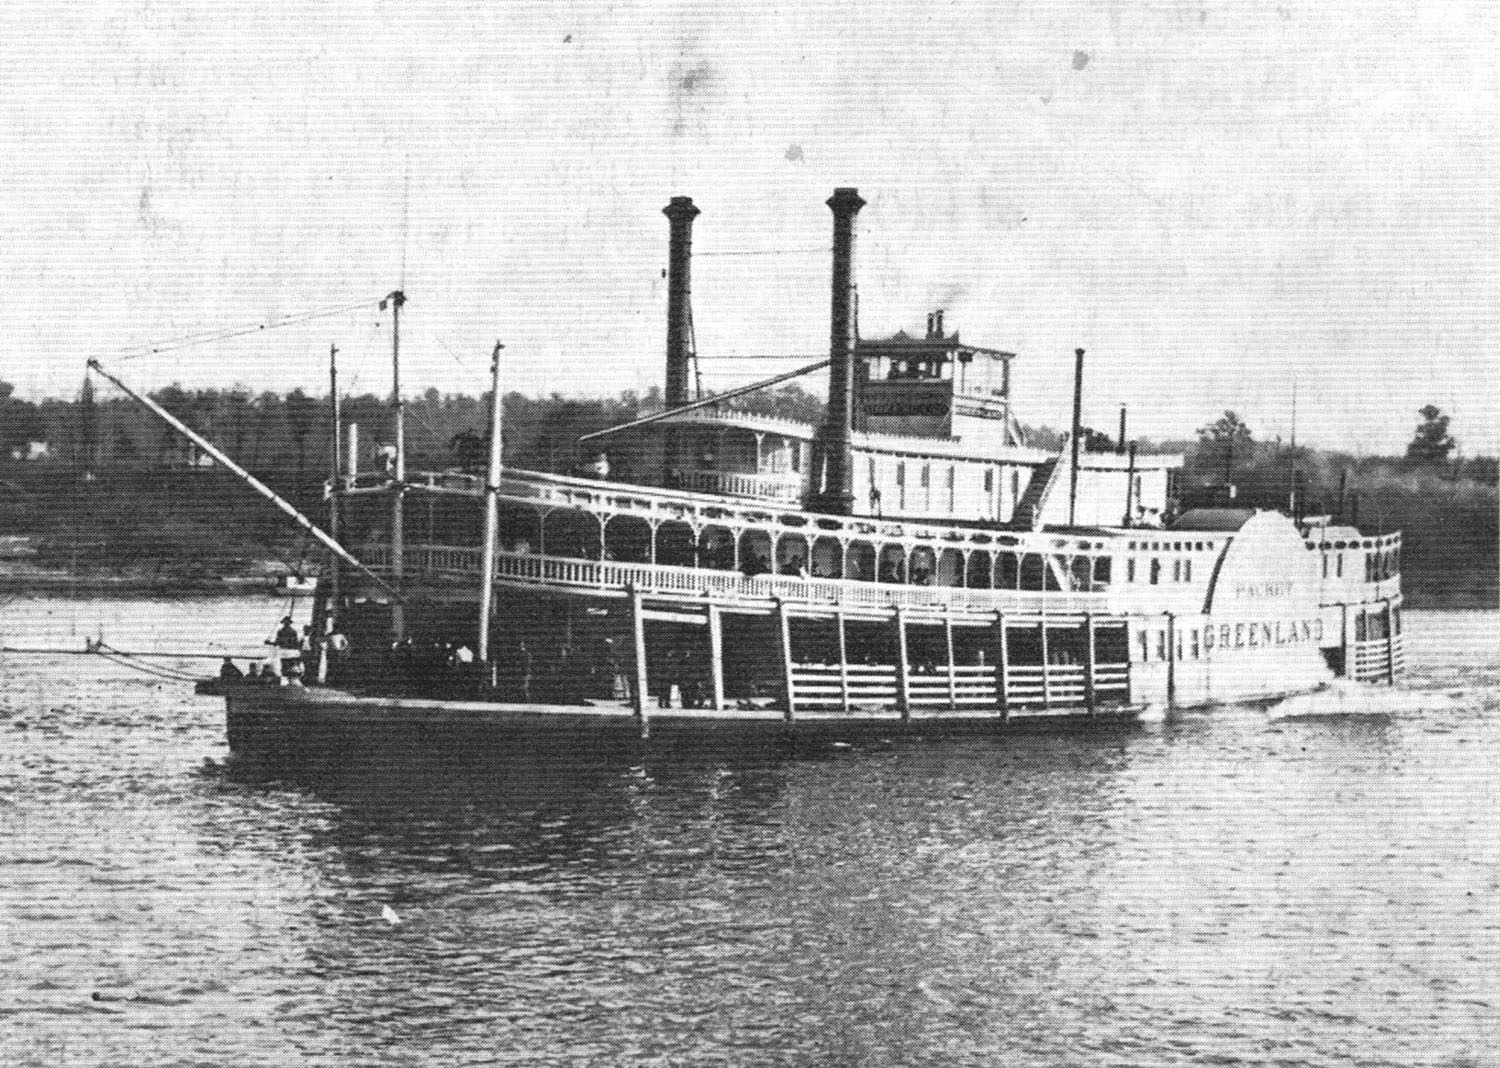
{"x":398,"y":474}
{"x":903,"y":667}
{"x":952,"y":681}
{"x":789,"y":684}
{"x":843,"y":661}
{"x":638,"y":624}
{"x":491,"y":511}
{"x":716,"y":654}
{"x":1390,"y":646}
{"x":1088,"y":661}
{"x":1344,"y":639}
{"x":1003,"y":666}
{"x":1046,"y":681}
{"x":1171,"y":660}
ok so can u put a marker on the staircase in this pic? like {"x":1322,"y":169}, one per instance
{"x":1036,"y":493}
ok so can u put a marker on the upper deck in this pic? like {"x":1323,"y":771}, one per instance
{"x":588,"y":533}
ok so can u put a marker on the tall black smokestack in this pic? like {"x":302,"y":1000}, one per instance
{"x":839,"y":492}
{"x":679,"y":303}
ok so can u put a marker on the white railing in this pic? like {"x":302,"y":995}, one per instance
{"x":661,"y":578}
{"x":1376,"y":660}
{"x":787,"y":488}
{"x":957,"y":687}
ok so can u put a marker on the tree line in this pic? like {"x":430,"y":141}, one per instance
{"x":290,"y":433}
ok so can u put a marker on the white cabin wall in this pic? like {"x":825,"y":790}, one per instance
{"x":1101,"y":495}
{"x":968,"y":501}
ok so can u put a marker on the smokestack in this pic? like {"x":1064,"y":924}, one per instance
{"x":839,"y":487}
{"x":930,"y":318}
{"x":679,"y":291}
{"x":1120,"y":448}
{"x":937,"y":324}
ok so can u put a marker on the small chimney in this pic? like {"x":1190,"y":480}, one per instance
{"x":930,"y":318}
{"x":681,"y":212}
{"x":937,"y":328}
{"x":839,"y":484}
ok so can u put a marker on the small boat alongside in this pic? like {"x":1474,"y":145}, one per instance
{"x":912,"y":564}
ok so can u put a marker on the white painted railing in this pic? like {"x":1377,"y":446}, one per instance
{"x":661,"y":578}
{"x":959,"y":687}
{"x":785,"y":488}
{"x":1375,"y":661}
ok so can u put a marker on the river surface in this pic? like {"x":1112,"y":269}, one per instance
{"x":1317,"y":882}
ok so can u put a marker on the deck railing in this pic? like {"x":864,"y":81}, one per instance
{"x":959,"y":687}
{"x":1377,"y":660}
{"x":450,"y":561}
{"x":785,"y":488}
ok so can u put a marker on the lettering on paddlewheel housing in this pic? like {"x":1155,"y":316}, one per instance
{"x":1262,"y":633}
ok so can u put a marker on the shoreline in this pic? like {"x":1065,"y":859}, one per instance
{"x":110,"y":586}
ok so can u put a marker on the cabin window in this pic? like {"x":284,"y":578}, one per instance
{"x":901,"y":485}
{"x":950,"y":571}
{"x":1155,"y":571}
{"x":1161,"y":645}
{"x":796,"y":451}
{"x":1081,"y":573}
{"x":1340,"y":565}
{"x":893,"y":564}
{"x":1193,"y":642}
{"x":923,"y":566}
{"x":1187,"y":571}
{"x":1015,"y":485}
{"x":979,"y":570}
{"x":1009,"y":569}
{"x":1130,"y":569}
{"x":859,"y":562}
{"x":1102,"y":567}
{"x":952,"y":489}
{"x":927,"y":487}
{"x":1033,"y":572}
{"x":989,"y":480}
{"x":1176,"y":570}
{"x":1325,"y":565}
{"x":1145,"y":645}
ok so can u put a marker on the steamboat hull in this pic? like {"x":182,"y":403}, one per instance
{"x":294,"y":722}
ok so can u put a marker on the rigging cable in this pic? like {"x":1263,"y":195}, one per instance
{"x":208,"y":337}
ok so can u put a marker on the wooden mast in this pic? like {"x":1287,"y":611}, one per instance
{"x":491,"y":511}
{"x":398,"y":482}
{"x":334,"y":454}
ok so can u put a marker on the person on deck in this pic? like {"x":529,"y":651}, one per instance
{"x":228,"y":672}
{"x":288,"y":645}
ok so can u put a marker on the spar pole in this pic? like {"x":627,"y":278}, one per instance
{"x":491,"y":512}
{"x":245,"y":476}
{"x":398,"y":484}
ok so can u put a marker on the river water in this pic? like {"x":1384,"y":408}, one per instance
{"x":1313,"y":883}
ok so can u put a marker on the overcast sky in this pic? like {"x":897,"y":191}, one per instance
{"x":1211,"y":199}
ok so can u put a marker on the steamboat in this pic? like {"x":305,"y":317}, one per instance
{"x":911,"y":564}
